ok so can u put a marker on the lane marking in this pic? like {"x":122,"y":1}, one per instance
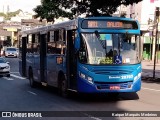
{"x":32,"y":92}
{"x":8,"y":78}
{"x":17,"y":76}
{"x":150,"y":89}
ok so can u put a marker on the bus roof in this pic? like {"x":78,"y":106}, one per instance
{"x":74,"y":24}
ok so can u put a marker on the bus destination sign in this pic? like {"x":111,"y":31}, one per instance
{"x":109,"y":24}
{"x":114,"y":24}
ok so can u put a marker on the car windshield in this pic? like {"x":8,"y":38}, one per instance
{"x":102,"y":48}
{"x":2,"y":60}
{"x":11,"y":49}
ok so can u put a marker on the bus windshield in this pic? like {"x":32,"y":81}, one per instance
{"x":102,"y":48}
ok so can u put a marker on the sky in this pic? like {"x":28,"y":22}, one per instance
{"x":24,"y":5}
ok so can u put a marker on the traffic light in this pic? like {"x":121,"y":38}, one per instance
{"x":157,"y":11}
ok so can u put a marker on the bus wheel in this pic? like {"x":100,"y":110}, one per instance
{"x":63,"y":87}
{"x":31,"y":80}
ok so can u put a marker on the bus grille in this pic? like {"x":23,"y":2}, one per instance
{"x":106,"y":85}
{"x":113,"y":72}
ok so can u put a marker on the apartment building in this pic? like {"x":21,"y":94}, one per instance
{"x":144,"y":12}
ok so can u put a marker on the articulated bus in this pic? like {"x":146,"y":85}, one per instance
{"x":85,"y":55}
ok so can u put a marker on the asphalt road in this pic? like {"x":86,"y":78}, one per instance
{"x":17,"y":95}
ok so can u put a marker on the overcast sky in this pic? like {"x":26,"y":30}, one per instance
{"x":25,"y":5}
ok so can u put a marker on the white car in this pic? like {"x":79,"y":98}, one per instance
{"x":4,"y":67}
{"x":11,"y":52}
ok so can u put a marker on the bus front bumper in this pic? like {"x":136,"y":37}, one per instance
{"x":86,"y":87}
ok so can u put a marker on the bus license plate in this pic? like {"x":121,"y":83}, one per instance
{"x":114,"y":87}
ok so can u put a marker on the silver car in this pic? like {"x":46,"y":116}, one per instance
{"x":4,"y":67}
{"x":11,"y":52}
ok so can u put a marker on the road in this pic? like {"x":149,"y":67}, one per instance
{"x":17,"y":95}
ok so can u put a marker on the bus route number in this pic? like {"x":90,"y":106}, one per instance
{"x":126,"y":76}
{"x":92,"y":24}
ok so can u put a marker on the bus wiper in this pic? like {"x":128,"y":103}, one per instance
{"x":103,"y":44}
{"x":97,"y":34}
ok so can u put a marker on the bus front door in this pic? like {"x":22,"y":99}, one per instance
{"x":71,"y":60}
{"x":43,"y":38}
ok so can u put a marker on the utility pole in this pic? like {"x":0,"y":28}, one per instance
{"x":150,"y":29}
{"x":156,"y":38}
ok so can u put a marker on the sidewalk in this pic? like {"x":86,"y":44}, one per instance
{"x":147,"y":69}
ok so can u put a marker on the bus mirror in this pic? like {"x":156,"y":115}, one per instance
{"x":97,"y":34}
{"x":126,"y":36}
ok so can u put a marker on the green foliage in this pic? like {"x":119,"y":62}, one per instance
{"x":96,"y":7}
{"x":8,"y":15}
{"x":13,"y":14}
{"x":2,"y":14}
{"x":51,"y":9}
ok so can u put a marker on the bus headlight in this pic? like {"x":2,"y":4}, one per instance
{"x":88,"y":78}
{"x":82,"y":75}
{"x":137,"y":77}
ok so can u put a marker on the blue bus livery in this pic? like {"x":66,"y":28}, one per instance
{"x":86,"y":55}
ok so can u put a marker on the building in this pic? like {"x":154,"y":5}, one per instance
{"x":144,"y":12}
{"x":20,"y":16}
{"x":9,"y":32}
{"x":148,"y":28}
{"x":10,"y":29}
{"x":14,"y":28}
{"x":5,"y":36}
{"x":1,"y":19}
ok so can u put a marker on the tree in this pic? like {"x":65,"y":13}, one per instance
{"x":57,"y":8}
{"x":2,"y":14}
{"x":95,"y":7}
{"x":8,"y":15}
{"x":50,"y":9}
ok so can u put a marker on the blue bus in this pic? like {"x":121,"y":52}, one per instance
{"x":85,"y":55}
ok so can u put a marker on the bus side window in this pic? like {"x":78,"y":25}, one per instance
{"x":56,"y":44}
{"x":51,"y":46}
{"x":29,"y":43}
{"x":36,"y":44}
{"x":33,"y":42}
{"x":62,"y":41}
